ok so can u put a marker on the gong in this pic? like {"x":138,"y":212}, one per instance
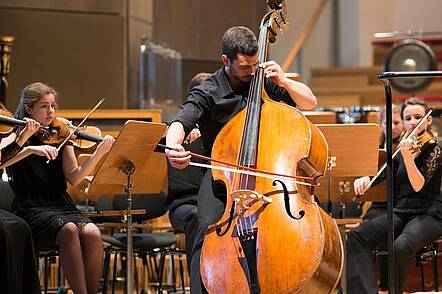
{"x":410,"y":55}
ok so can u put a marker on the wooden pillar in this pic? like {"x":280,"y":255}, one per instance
{"x":5,"y":57}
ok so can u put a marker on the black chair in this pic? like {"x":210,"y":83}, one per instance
{"x":146,"y":245}
{"x":429,"y":253}
{"x":49,"y":256}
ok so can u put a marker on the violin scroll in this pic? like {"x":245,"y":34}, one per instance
{"x":7,"y":122}
{"x":276,"y":4}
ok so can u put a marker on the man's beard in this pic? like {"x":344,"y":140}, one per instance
{"x":244,"y":79}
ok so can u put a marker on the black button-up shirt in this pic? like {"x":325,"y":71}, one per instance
{"x":213,"y":103}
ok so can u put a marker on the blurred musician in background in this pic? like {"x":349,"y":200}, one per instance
{"x":375,"y":209}
{"x":182,"y":193}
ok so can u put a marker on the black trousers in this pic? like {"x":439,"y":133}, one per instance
{"x":382,"y":259}
{"x":18,"y":267}
{"x":184,"y":219}
{"x":412,"y":232}
{"x":194,"y":221}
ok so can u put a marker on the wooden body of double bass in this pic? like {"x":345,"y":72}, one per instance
{"x":292,"y":255}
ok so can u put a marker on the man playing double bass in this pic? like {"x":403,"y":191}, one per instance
{"x":211,"y":105}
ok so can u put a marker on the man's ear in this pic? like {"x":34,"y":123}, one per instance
{"x":226,"y":60}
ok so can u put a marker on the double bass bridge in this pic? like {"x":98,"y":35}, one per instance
{"x":244,"y":199}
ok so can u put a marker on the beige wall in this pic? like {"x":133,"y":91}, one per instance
{"x":356,"y":22}
{"x":316,"y":51}
{"x":89,"y":49}
{"x":140,"y":24}
{"x":80,"y":54}
{"x":395,"y":15}
{"x":195,"y":27}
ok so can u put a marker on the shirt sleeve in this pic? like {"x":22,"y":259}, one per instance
{"x":10,"y":151}
{"x":431,"y":164}
{"x":195,"y":108}
{"x":278,"y":93}
{"x":383,"y":175}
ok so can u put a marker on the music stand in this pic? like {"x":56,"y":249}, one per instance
{"x":355,"y":150}
{"x":122,"y":170}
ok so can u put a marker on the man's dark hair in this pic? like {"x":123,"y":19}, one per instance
{"x":197,"y":79}
{"x":239,"y":40}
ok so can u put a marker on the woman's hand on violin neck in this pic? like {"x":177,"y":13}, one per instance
{"x":50,"y":152}
{"x":105,"y":145}
{"x":361,"y":184}
{"x":178,"y":156}
{"x":30,"y":129}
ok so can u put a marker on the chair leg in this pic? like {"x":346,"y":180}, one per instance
{"x":105,"y":271}
{"x":183,"y":287}
{"x":46,"y":275}
{"x":61,"y":285}
{"x":172,"y":265}
{"x":135,"y":272}
{"x":160,"y":271}
{"x":145,"y":271}
{"x":421,"y":266}
{"x":123,"y":258}
{"x":435,"y":269}
{"x":114,"y":273}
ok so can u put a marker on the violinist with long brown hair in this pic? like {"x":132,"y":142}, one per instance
{"x":211,"y":105}
{"x":41,"y":198}
{"x":417,"y":214}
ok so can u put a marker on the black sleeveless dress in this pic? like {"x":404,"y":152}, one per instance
{"x":41,"y":198}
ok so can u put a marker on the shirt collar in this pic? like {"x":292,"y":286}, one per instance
{"x":225,"y":89}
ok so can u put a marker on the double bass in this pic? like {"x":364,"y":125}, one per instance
{"x":272,"y":237}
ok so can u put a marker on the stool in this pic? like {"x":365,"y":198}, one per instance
{"x":429,"y":252}
{"x":46,"y":254}
{"x":144,"y":245}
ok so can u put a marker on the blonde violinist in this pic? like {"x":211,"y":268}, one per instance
{"x":41,"y":198}
{"x":417,"y":214}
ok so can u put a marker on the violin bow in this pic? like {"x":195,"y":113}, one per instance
{"x":78,"y":126}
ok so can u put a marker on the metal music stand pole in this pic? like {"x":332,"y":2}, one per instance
{"x":128,"y":168}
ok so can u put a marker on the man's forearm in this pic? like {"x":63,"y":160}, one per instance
{"x":301,"y":94}
{"x":175,"y":134}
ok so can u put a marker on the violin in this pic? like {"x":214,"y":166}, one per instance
{"x":84,"y":138}
{"x":423,"y":140}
